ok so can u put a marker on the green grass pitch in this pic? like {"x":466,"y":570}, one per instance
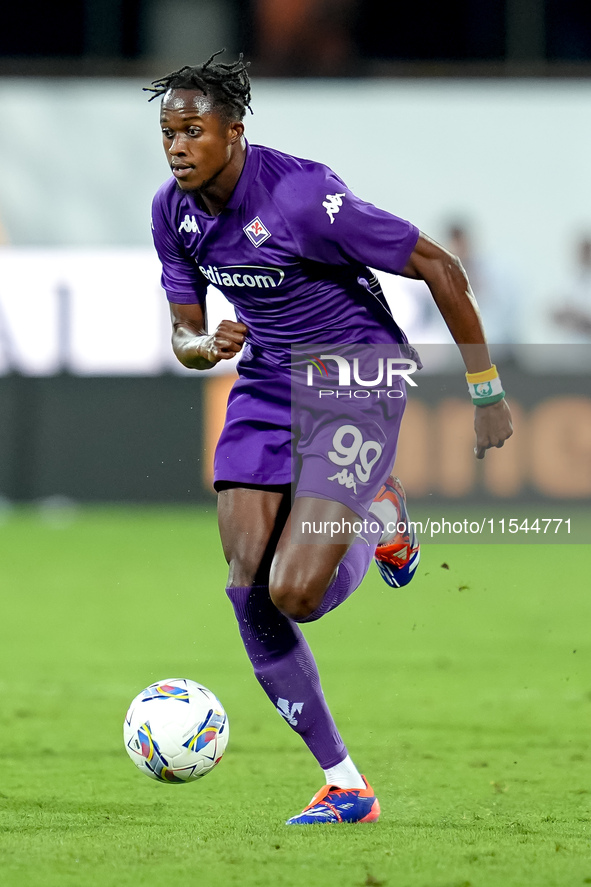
{"x":465,"y":698}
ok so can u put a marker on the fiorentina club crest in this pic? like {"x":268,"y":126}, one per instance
{"x":256,"y":232}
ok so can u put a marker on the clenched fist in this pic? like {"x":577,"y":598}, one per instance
{"x":225,"y":342}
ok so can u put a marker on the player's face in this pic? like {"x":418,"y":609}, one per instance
{"x":199,"y":145}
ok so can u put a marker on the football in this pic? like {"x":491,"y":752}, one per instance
{"x":176,"y":731}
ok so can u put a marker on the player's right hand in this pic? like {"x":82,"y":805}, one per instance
{"x":493,"y":426}
{"x":225,"y":342}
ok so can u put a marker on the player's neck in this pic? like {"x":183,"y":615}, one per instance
{"x":215,"y":194}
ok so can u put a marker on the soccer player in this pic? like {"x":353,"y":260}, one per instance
{"x":291,"y":247}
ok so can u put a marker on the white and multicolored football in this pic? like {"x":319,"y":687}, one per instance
{"x":176,"y":730}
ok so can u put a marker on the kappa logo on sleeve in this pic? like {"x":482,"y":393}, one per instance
{"x":332,"y":204}
{"x":256,"y":232}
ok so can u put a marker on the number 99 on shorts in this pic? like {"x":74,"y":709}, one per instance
{"x":350,"y":449}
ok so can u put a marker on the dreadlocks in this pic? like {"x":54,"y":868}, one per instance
{"x":228,"y":85}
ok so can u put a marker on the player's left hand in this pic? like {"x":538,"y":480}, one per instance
{"x":492,"y":425}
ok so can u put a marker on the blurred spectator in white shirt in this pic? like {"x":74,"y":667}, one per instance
{"x":494,"y":287}
{"x":573,"y":312}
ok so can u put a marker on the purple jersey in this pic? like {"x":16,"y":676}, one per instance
{"x":290,"y":251}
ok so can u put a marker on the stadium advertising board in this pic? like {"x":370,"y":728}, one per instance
{"x":84,"y":304}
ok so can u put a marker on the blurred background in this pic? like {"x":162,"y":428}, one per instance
{"x":470,"y":118}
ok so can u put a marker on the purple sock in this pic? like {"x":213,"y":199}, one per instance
{"x":285,"y":668}
{"x":351,"y":571}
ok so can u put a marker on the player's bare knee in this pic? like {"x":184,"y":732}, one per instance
{"x":292,"y":603}
{"x":295,"y":601}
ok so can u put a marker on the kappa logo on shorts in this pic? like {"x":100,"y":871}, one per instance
{"x":345,"y":479}
{"x":256,"y":232}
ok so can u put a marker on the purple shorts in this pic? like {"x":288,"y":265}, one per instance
{"x":331,"y":442}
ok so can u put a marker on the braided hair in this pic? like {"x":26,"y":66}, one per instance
{"x":228,"y":85}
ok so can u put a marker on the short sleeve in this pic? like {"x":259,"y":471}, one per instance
{"x":181,"y":279}
{"x":335,"y":226}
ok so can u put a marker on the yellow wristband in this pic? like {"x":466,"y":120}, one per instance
{"x":483,"y":376}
